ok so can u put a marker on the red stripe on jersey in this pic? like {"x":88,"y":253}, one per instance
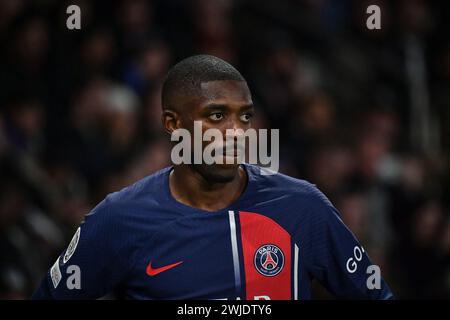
{"x":258,"y":231}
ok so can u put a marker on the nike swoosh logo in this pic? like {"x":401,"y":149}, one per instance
{"x":154,"y":271}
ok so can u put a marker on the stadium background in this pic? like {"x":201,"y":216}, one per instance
{"x":363,"y":114}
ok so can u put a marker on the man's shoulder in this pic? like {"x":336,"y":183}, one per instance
{"x":298,"y":197}
{"x":284,"y":184}
{"x":130,"y":216}
{"x":148,"y":188}
{"x":135,"y":199}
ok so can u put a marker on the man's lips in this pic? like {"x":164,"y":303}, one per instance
{"x":230,"y":151}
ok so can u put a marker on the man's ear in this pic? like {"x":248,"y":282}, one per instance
{"x":170,"y":120}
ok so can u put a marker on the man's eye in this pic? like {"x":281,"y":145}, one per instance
{"x":246,"y":117}
{"x":216,"y":116}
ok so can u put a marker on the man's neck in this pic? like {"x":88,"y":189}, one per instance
{"x":190,"y":188}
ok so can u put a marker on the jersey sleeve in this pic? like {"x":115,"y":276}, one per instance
{"x":93,"y":263}
{"x":337,"y":260}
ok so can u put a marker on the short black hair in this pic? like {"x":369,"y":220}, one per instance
{"x":185,"y":78}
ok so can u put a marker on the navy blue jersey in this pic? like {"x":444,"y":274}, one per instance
{"x":279,"y":235}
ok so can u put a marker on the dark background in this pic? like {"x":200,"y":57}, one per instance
{"x":362,"y":113}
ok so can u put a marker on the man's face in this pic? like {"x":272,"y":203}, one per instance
{"x":221,"y":105}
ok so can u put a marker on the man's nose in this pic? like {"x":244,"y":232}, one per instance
{"x":232,"y":126}
{"x":236,"y":123}
{"x":235,"y":130}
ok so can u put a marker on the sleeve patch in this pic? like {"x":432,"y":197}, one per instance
{"x":55,"y":273}
{"x":72,"y":246}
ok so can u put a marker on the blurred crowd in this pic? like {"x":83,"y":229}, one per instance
{"x":362,"y":114}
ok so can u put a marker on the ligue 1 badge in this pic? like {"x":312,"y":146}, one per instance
{"x":269,"y":260}
{"x":72,"y":246}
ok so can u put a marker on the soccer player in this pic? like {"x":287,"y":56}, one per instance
{"x":218,"y":231}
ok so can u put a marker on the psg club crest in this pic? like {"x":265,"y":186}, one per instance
{"x":269,"y":260}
